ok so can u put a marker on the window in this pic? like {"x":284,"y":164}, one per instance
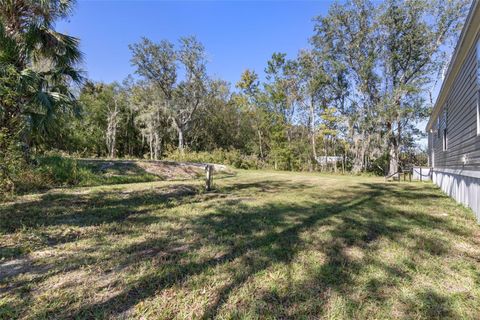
{"x":431,"y":158}
{"x":444,"y":127}
{"x":445,"y":140}
{"x":438,"y":127}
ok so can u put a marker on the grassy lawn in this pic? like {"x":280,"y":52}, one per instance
{"x":263,"y":245}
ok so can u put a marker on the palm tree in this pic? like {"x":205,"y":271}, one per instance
{"x":37,"y":65}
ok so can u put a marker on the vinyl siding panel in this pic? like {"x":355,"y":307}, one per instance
{"x":460,"y":122}
{"x":456,"y":170}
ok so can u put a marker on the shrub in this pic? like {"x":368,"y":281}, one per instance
{"x":11,"y":164}
{"x":62,"y":171}
{"x":16,"y":175}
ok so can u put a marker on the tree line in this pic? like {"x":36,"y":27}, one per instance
{"x":350,"y":102}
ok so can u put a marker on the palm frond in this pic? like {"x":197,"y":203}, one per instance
{"x":39,"y":63}
{"x":59,"y":74}
{"x":44,"y":43}
{"x":9,"y":50}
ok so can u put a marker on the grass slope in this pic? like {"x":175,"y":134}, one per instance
{"x":56,"y":171}
{"x":95,"y":172}
{"x":263,"y":245}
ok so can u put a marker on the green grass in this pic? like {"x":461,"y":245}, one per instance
{"x":56,"y":171}
{"x":74,"y":172}
{"x":264,"y":245}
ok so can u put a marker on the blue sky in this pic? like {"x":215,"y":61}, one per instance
{"x":237,"y":34}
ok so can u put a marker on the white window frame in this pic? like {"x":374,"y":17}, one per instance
{"x":431,"y":158}
{"x":478,"y":113}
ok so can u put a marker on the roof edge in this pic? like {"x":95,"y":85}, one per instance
{"x":459,"y":54}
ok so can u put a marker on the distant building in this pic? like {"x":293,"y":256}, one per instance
{"x":328,"y":159}
{"x":454,"y":126}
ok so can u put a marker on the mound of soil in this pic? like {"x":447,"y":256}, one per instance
{"x":167,"y":170}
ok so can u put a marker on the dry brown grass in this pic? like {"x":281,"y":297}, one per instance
{"x":262,"y":245}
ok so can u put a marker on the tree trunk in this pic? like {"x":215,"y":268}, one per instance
{"x":312,"y":131}
{"x":335,"y":155}
{"x":26,"y":146}
{"x":393,"y":163}
{"x":208,"y":177}
{"x":394,"y":152}
{"x":357,"y":165}
{"x":158,"y":144}
{"x":394,"y":149}
{"x":150,"y":143}
{"x":180,"y":140}
{"x":111,"y":135}
{"x":325,"y":149}
{"x":360,"y":152}
{"x":114,"y":141}
{"x":260,"y":143}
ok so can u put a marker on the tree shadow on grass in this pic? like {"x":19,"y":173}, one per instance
{"x":89,"y":209}
{"x":253,"y":238}
{"x":255,"y":244}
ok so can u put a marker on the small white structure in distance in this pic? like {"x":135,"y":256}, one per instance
{"x":328,"y":159}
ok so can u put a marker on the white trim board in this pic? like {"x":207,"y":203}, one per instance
{"x":459,"y":172}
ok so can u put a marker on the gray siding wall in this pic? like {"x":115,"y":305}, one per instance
{"x":460,"y":122}
{"x":456,"y":170}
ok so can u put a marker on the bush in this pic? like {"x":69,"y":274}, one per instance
{"x":31,"y":180}
{"x":16,"y":175}
{"x":11,"y":164}
{"x":62,"y":171}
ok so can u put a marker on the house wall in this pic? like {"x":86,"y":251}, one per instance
{"x":457,"y":169}
{"x":458,"y":116}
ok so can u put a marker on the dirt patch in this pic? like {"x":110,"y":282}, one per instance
{"x":171,"y":170}
{"x":168,"y":170}
{"x":15,"y":267}
{"x":354,"y":253}
{"x":179,"y":170}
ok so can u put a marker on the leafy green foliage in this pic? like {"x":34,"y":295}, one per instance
{"x":38,"y":61}
{"x":389,"y":55}
{"x":37,"y":68}
{"x":11,"y":164}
